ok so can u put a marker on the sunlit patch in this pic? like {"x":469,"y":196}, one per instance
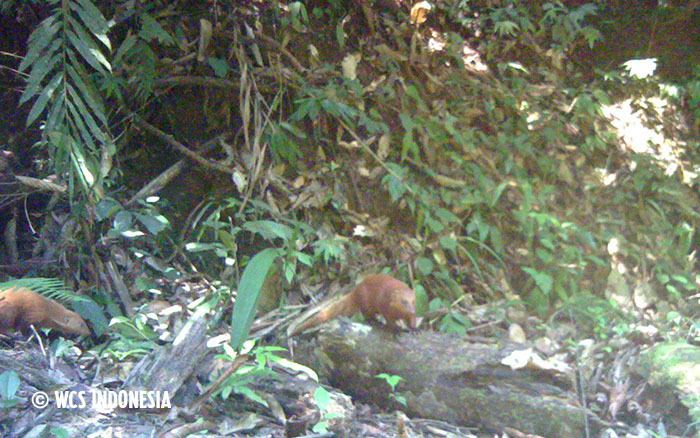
{"x":639,"y":127}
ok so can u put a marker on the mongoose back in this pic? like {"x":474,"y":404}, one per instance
{"x":377,"y":294}
{"x":22,"y":307}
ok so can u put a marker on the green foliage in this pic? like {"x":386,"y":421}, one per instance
{"x":128,"y":223}
{"x":7,"y":6}
{"x":136,"y":56}
{"x":238,"y":382}
{"x":322,"y":398}
{"x":59,"y":432}
{"x":567,"y":25}
{"x":132,"y":338}
{"x":693,"y":91}
{"x":393,"y":381}
{"x":291,"y":240}
{"x":295,"y":239}
{"x":248,"y":293}
{"x":282,"y":138}
{"x":452,"y":322}
{"x":60,"y":51}
{"x":595,"y":314}
{"x":298,"y":18}
{"x":9,"y":384}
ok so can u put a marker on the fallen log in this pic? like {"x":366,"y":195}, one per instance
{"x":448,"y":378}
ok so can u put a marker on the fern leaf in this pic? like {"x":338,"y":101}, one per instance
{"x":93,"y":19}
{"x":43,"y":99}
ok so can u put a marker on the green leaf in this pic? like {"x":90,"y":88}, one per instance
{"x":340,"y":34}
{"x":87,"y":48}
{"x":59,"y":432}
{"x":93,"y":313}
{"x":41,"y":68}
{"x":9,"y":384}
{"x":248,"y":293}
{"x":250,"y":394}
{"x":219,"y":65}
{"x":88,"y":92}
{"x":269,"y":229}
{"x":227,"y":240}
{"x":322,"y":398}
{"x":154,"y":224}
{"x":424,"y":265}
{"x":542,"y":279}
{"x":106,"y":208}
{"x":83,"y":117}
{"x":57,"y":112}
{"x":39,"y":40}
{"x":151,"y":29}
{"x":496,"y":239}
{"x":44,"y":98}
{"x":93,"y":19}
{"x":448,"y":243}
{"x":78,"y":125}
{"x":123,"y":220}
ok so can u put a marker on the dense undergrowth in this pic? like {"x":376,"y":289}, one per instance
{"x":473,"y":152}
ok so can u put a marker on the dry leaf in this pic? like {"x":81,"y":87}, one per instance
{"x":205,"y":32}
{"x":299,"y":182}
{"x":383,"y":147}
{"x":419,"y":12}
{"x":350,"y":65}
{"x":516,"y":333}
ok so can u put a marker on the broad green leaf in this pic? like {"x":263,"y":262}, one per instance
{"x":154,"y":224}
{"x":248,"y":293}
{"x":424,"y":265}
{"x":322,"y":398}
{"x":269,"y":229}
{"x":123,"y":220}
{"x":9,"y":384}
{"x":106,"y":208}
{"x":448,"y":243}
{"x":92,"y":312}
{"x":219,"y":65}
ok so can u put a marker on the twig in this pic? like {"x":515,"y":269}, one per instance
{"x":121,"y":288}
{"x":369,"y":150}
{"x":200,"y":81}
{"x":297,"y":65}
{"x":188,"y":429}
{"x":169,"y":139}
{"x":170,"y":173}
{"x":236,"y":364}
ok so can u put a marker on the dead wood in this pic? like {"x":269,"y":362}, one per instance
{"x":167,"y":367}
{"x":448,"y":378}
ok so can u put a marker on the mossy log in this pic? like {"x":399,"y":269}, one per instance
{"x":448,"y":378}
